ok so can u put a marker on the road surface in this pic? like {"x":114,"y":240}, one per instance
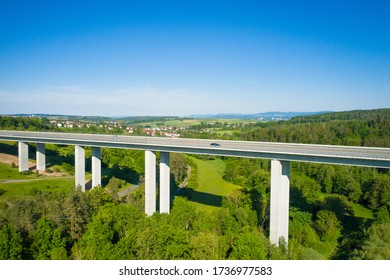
{"x":347,"y":155}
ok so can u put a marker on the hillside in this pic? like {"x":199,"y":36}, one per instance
{"x":355,"y":128}
{"x":365,"y":115}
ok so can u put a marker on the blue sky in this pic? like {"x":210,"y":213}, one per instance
{"x":127,"y":58}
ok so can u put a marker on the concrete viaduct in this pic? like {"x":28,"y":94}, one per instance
{"x":280,"y":154}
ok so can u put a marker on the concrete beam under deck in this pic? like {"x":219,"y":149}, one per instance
{"x":150,"y":182}
{"x":96,"y":167}
{"x":23,"y":156}
{"x":41,"y":157}
{"x":280,"y":194}
{"x":80,"y":167}
{"x":164,"y":182}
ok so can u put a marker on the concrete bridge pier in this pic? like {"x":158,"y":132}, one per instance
{"x":280,"y":195}
{"x":80,"y":167}
{"x":96,"y":167}
{"x":41,"y":156}
{"x":23,"y":156}
{"x":150,"y":182}
{"x":164,"y":182}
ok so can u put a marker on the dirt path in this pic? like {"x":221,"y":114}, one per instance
{"x":29,"y":180}
{"x":124,"y":192}
{"x":9,"y":159}
{"x":185,"y":182}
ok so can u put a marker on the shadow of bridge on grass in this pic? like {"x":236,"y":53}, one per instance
{"x":201,"y":197}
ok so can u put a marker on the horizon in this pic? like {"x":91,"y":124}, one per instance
{"x":267,"y":114}
{"x":182,"y":59}
{"x":298,"y":113}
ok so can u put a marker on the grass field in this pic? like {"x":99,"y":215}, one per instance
{"x":362,"y":212}
{"x":212,"y":187}
{"x":8,"y":173}
{"x":359,"y":210}
{"x":192,"y":122}
{"x":221,"y":132}
{"x":30,"y":188}
{"x":29,"y":185}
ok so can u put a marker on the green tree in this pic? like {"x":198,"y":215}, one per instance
{"x":77,"y":211}
{"x":159,"y":238}
{"x":310,"y":189}
{"x":11,"y":244}
{"x":378,"y":193}
{"x":328,"y":226}
{"x":183,"y":214}
{"x":113,"y":226}
{"x":237,"y":214}
{"x":377,"y":245}
{"x":339,"y":205}
{"x":301,"y":231}
{"x":329,"y":229}
{"x":345,"y":184}
{"x":205,"y":246}
{"x":178,"y":167}
{"x":48,"y":242}
{"x":23,"y":215}
{"x":382,"y":215}
{"x":249,"y":246}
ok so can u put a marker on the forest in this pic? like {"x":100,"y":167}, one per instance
{"x":336,"y":212}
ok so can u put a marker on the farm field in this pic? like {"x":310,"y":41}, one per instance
{"x":212,"y":187}
{"x":30,"y":188}
{"x":193,"y":122}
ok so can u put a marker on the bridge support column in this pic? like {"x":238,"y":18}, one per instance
{"x":280,"y":194}
{"x":23,"y":156}
{"x":164,"y":182}
{"x":150,"y":182}
{"x":41,"y":157}
{"x":96,"y":167}
{"x":80,"y":167}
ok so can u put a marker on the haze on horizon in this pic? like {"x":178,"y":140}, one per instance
{"x":178,"y":58}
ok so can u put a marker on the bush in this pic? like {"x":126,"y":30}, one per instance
{"x":34,"y":191}
{"x":68,"y":168}
{"x":26,"y":172}
{"x":2,"y":191}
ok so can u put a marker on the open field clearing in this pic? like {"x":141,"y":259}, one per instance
{"x":26,"y":189}
{"x":212,"y":187}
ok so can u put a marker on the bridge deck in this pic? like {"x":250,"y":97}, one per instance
{"x":330,"y":154}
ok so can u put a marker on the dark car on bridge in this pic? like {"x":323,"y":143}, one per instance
{"x":215,"y":144}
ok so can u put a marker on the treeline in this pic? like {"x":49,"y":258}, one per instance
{"x":354,"y":128}
{"x":369,"y":128}
{"x":96,"y":225}
{"x":23,"y":123}
{"x":367,"y":186}
{"x":148,"y":119}
{"x":343,"y":116}
{"x":43,"y":124}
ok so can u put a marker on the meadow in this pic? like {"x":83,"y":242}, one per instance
{"x":212,"y":187}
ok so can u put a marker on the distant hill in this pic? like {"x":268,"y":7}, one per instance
{"x":259,"y":116}
{"x":137,"y":119}
{"x":56,"y":116}
{"x":140,"y":119}
{"x":343,"y":116}
{"x":319,"y":116}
